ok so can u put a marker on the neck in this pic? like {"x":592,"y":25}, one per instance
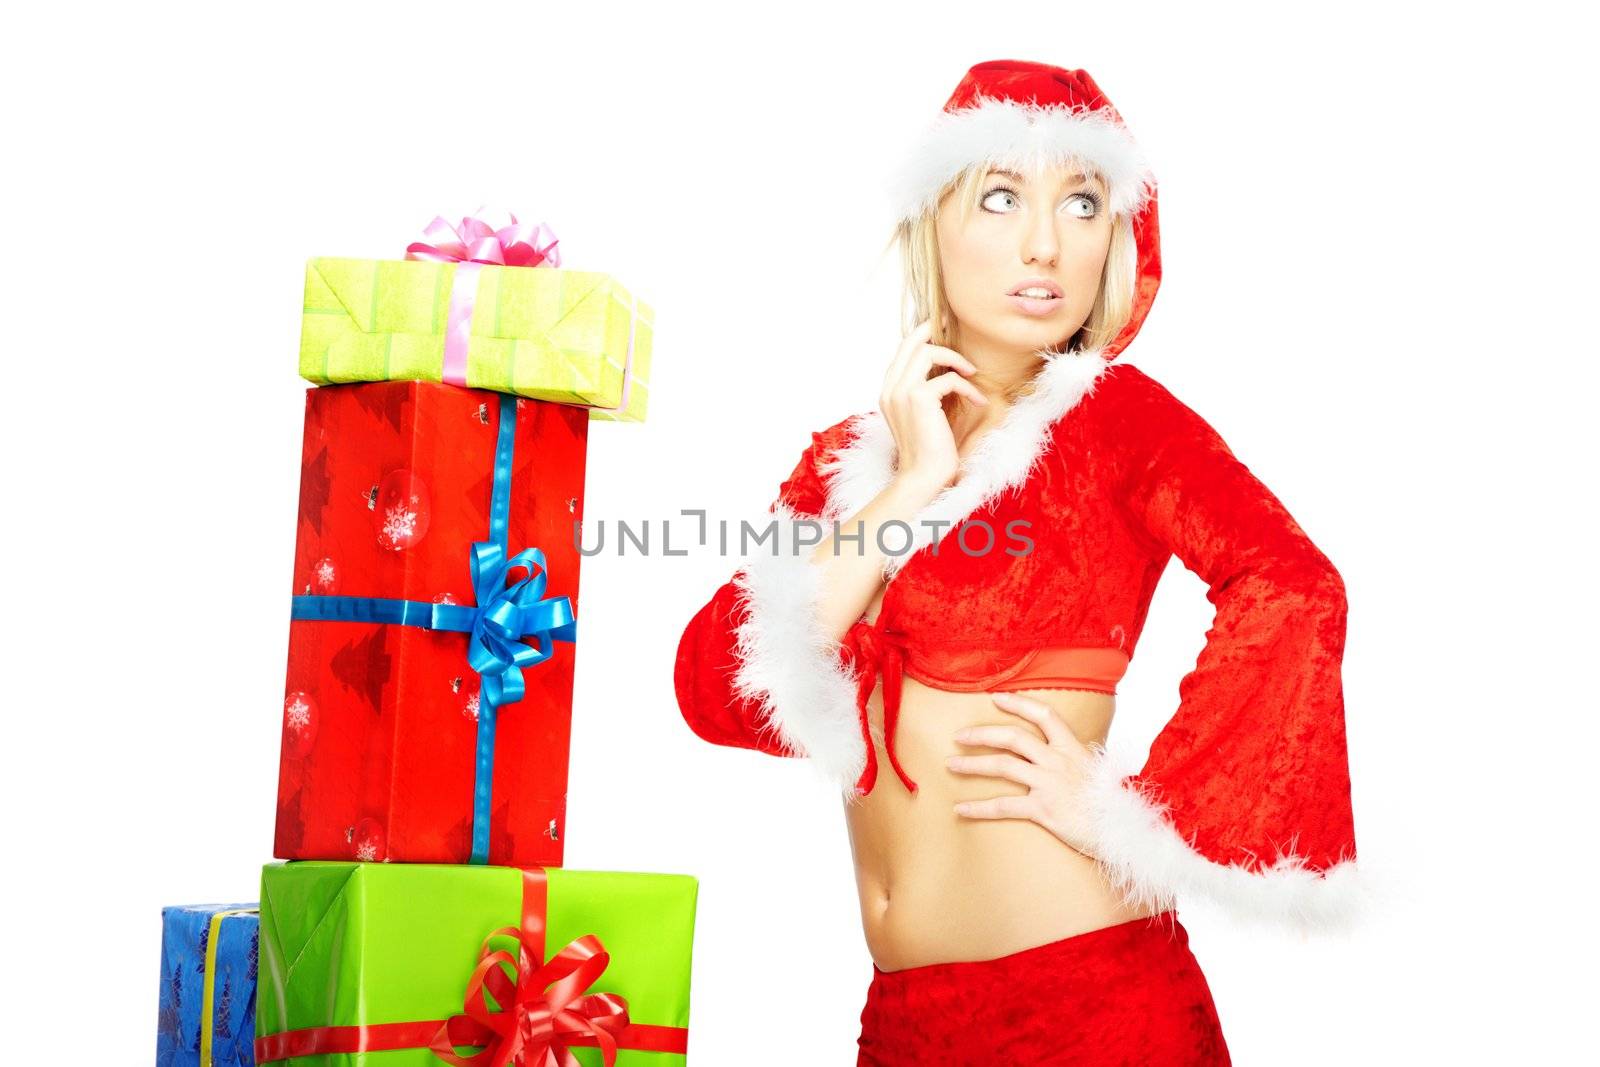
{"x":1001,"y":368}
{"x":1002,"y":460}
{"x":1002,"y":372}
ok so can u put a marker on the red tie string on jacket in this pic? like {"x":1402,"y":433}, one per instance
{"x":875,"y":648}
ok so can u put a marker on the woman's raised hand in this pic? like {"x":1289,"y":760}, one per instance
{"x":913,"y":405}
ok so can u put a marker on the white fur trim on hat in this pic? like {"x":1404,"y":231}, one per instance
{"x":1024,"y":137}
{"x":789,"y":662}
{"x":1148,"y":861}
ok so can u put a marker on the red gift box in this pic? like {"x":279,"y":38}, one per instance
{"x":381,"y":730}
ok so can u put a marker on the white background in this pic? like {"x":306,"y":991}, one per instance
{"x":1378,"y":231}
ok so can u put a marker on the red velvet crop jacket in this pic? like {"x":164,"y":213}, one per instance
{"x":1245,"y":796}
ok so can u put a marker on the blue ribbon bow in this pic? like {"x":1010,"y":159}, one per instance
{"x":498,"y":624}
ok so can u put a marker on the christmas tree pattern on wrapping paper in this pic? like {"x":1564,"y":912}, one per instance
{"x":315,"y":486}
{"x":169,"y":1023}
{"x":365,"y":667}
{"x":291,"y":829}
{"x":386,"y":400}
{"x":502,"y":842}
{"x":531,"y":419}
{"x":223,"y":1029}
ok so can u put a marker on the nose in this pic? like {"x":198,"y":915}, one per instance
{"x":1041,"y":243}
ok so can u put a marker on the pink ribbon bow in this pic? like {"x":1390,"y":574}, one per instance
{"x":472,"y":245}
{"x":478,"y":240}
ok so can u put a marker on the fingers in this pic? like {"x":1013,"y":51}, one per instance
{"x":911,"y":342}
{"x":997,"y":808}
{"x":928,"y":355}
{"x":951,"y":382}
{"x":1041,"y":715}
{"x":998,"y":765}
{"x":915,"y":358}
{"x":1013,"y":738}
{"x":920,"y":363}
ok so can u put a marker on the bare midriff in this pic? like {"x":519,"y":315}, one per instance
{"x":938,"y":887}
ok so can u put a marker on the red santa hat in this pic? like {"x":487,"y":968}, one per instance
{"x":1024,"y":116}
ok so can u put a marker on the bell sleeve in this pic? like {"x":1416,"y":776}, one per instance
{"x":1245,"y":796}
{"x":755,"y":668}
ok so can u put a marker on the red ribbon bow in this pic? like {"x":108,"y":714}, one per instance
{"x":540,"y":1010}
{"x":478,"y":240}
{"x":876,"y":647}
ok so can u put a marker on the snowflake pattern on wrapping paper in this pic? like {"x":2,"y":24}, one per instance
{"x":470,"y":709}
{"x":298,"y":714}
{"x":367,"y":852}
{"x":400,"y":524}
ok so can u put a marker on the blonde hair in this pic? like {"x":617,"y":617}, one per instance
{"x":924,"y":279}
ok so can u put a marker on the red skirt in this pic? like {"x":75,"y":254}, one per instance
{"x":1127,"y":994}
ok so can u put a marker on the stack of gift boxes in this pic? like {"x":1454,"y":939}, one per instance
{"x":424,"y":915}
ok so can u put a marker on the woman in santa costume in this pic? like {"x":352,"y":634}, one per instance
{"x":957,"y":583}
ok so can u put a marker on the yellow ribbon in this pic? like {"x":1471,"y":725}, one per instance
{"x":208,"y":996}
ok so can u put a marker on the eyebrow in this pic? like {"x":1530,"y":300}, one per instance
{"x":1072,"y":179}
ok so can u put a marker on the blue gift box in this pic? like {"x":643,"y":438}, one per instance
{"x":208,"y":975}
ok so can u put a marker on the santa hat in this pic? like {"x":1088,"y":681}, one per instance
{"x":1023,"y":116}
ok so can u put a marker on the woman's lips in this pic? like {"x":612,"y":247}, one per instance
{"x":1035,"y":306}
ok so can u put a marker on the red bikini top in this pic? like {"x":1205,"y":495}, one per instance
{"x":877,"y":649}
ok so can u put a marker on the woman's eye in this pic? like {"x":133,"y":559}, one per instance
{"x":1083,"y":205}
{"x":1079,"y":205}
{"x":994,"y":193}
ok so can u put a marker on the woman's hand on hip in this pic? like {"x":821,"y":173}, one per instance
{"x":913,"y":405}
{"x":1054,"y":770}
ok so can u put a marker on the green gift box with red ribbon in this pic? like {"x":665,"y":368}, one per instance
{"x":406,"y":965}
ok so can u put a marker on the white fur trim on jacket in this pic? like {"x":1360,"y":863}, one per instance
{"x":1003,"y":460}
{"x":1151,"y":865}
{"x":1005,"y":133}
{"x":787,"y":661}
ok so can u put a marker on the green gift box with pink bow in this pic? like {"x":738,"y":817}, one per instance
{"x":486,"y":306}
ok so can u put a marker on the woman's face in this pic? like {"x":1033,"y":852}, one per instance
{"x":1052,"y":225}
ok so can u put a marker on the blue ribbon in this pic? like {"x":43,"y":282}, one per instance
{"x":503,"y":617}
